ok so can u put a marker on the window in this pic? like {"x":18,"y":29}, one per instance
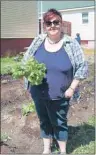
{"x":85,"y":17}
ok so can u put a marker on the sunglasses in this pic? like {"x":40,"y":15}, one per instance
{"x":49,"y":23}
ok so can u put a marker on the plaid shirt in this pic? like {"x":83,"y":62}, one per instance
{"x":74,"y":51}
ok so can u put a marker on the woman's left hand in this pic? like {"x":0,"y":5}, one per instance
{"x":69,"y":93}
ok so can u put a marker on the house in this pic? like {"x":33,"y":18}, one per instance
{"x":79,"y":13}
{"x":19,"y":25}
{"x":20,"y":22}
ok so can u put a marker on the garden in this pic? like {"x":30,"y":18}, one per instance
{"x":20,"y":131}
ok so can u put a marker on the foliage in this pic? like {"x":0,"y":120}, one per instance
{"x":7,"y":64}
{"x":92,"y":121}
{"x":87,"y":149}
{"x":4,"y":137}
{"x":32,"y":70}
{"x":28,"y":108}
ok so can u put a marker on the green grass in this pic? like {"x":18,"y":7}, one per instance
{"x":87,"y":149}
{"x":82,"y":138}
{"x":7,"y":64}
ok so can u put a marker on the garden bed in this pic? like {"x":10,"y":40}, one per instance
{"x":21,"y":134}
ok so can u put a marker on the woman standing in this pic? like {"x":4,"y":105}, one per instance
{"x":66,"y":66}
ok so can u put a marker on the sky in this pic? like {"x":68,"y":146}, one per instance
{"x":61,"y":5}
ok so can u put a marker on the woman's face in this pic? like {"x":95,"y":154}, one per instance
{"x":53,"y":26}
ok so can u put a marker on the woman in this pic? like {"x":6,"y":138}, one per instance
{"x":66,"y":67}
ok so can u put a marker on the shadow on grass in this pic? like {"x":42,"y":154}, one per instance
{"x":80,"y":135}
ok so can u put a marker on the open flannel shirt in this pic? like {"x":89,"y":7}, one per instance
{"x":74,"y":51}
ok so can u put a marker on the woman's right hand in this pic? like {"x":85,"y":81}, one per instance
{"x":69,"y":93}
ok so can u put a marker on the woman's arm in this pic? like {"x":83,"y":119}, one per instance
{"x":81,"y":68}
{"x":70,"y":91}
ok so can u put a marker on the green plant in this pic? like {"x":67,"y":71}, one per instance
{"x":7,"y":64}
{"x":87,"y":149}
{"x":32,"y":70}
{"x":4,"y":137}
{"x":28,"y":108}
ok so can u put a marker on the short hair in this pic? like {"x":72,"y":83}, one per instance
{"x":51,"y":13}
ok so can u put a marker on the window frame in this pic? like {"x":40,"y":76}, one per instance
{"x":85,"y":17}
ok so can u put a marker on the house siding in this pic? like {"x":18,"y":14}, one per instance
{"x":86,"y":30}
{"x":75,"y":17}
{"x":19,"y":25}
{"x":19,"y":19}
{"x":13,"y":46}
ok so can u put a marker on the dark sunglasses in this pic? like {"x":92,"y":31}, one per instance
{"x":55,"y":22}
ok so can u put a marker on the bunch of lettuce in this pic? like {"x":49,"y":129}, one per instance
{"x":32,"y":70}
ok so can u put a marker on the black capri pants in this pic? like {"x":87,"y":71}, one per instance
{"x":53,"y":118}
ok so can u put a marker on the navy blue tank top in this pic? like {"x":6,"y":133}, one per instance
{"x":58,"y":77}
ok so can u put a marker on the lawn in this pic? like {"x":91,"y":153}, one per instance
{"x":7,"y":64}
{"x":82,"y":139}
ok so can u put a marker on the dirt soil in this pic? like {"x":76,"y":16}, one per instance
{"x":23,"y":131}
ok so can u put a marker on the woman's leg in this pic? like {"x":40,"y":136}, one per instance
{"x":47,"y":144}
{"x":58,"y":115}
{"x":45,"y":125}
{"x":62,"y":145}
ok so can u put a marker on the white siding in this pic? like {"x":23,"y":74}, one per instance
{"x":75,"y":17}
{"x":19,"y":19}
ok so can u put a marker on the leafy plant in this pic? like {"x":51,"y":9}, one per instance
{"x":87,"y":149}
{"x":28,"y":108}
{"x":32,"y":70}
{"x":4,"y":137}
